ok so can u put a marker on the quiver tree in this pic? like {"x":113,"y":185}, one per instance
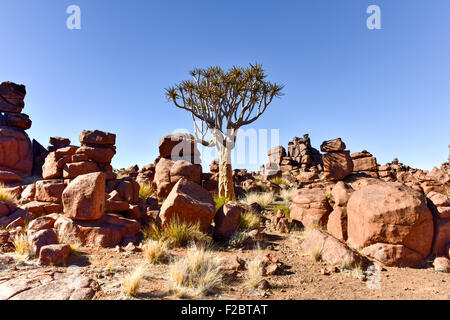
{"x":221,"y":103}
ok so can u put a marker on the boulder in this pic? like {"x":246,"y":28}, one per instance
{"x":59,"y":142}
{"x":185,"y":169}
{"x":365,"y":164}
{"x":54,"y":254}
{"x":333,"y":145}
{"x":50,"y":190}
{"x":391,"y":213}
{"x":11,"y":97}
{"x":337,"y":165}
{"x":18,"y":120}
{"x":442,"y":236}
{"x":96,"y":137}
{"x":15,"y":150}
{"x":310,"y":207}
{"x":337,"y":223}
{"x":8,"y":176}
{"x":341,"y":193}
{"x":190,"y":203}
{"x":441,"y":264}
{"x":38,"y":239}
{"x":179,"y":147}
{"x":42,"y":223}
{"x":73,"y":170}
{"x":307,"y":176}
{"x":84,"y":197}
{"x":109,"y":231}
{"x":227,"y":219}
{"x":162,"y":177}
{"x":97,"y":154}
{"x":393,"y":255}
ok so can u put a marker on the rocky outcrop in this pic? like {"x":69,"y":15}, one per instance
{"x":310,"y":207}
{"x":337,"y":163}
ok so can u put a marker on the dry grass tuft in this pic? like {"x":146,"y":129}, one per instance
{"x":249,"y":221}
{"x":255,"y":272}
{"x":5,"y":195}
{"x":264,"y":199}
{"x":177,"y":233}
{"x":278,"y":180}
{"x":286,"y":194}
{"x":199,"y":273}
{"x":145,"y":191}
{"x":21,"y":245}
{"x":316,"y":254}
{"x":132,"y":281}
{"x":155,"y":251}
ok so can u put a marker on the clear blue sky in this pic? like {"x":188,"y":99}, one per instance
{"x":387,"y":91}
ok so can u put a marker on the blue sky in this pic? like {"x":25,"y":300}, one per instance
{"x":387,"y":91}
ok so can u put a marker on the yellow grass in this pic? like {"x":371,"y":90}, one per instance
{"x":5,"y":195}
{"x":132,"y":281}
{"x":145,"y":191}
{"x":278,"y":180}
{"x":155,"y":251}
{"x":316,"y":253}
{"x":255,"y":272}
{"x":286,"y":194}
{"x":199,"y":273}
{"x":249,"y":221}
{"x":262,"y":198}
{"x":21,"y":245}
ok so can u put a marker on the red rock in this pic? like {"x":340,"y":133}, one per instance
{"x":50,"y":190}
{"x":38,"y":239}
{"x":179,"y":145}
{"x":19,"y":222}
{"x":337,"y":223}
{"x":393,"y":255}
{"x":38,"y":208}
{"x":9,"y":176}
{"x":18,"y":213}
{"x":42,"y":223}
{"x":15,"y":150}
{"x":162,"y":177}
{"x":18,"y":120}
{"x":442,"y":237}
{"x":54,"y":254}
{"x":341,"y":193}
{"x":98,"y":154}
{"x":129,"y":191}
{"x":365,"y":164}
{"x":439,"y":199}
{"x":11,"y":97}
{"x":28,"y":193}
{"x":390,"y":213}
{"x":84,"y":197}
{"x":190,"y":203}
{"x":185,"y":169}
{"x":307,"y":176}
{"x":362,"y":154}
{"x":106,"y":232}
{"x":331,"y":249}
{"x":73,"y":170}
{"x":310,"y":206}
{"x":333,"y":145}
{"x":443,"y":212}
{"x":116,"y":206}
{"x":4,"y":209}
{"x":227,"y":219}
{"x":337,"y":165}
{"x":59,"y":142}
{"x":97,"y":137}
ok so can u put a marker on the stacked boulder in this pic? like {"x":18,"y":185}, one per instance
{"x":337,"y":163}
{"x":178,"y":158}
{"x":364,"y":162}
{"x":310,"y":207}
{"x":16,"y":154}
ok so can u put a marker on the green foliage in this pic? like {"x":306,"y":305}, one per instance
{"x":285,"y":209}
{"x":220,"y":201}
{"x":145,"y":191}
{"x":278,"y":180}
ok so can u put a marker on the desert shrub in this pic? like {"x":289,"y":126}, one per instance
{"x":255,"y":272}
{"x":220,"y":201}
{"x":316,"y":253}
{"x":264,"y":199}
{"x":285,"y":209}
{"x":132,"y":281}
{"x":197,"y":274}
{"x":278,"y":180}
{"x":249,"y":221}
{"x":5,"y":195}
{"x":155,"y":251}
{"x":238,"y":238}
{"x":176,"y":233}
{"x":329,"y":196}
{"x":145,"y":191}
{"x":286,"y":194}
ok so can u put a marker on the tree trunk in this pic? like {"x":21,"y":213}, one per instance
{"x":226,"y":185}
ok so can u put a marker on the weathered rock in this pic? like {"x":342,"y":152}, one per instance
{"x":179,"y":147}
{"x":97,"y":154}
{"x":73,"y":170}
{"x":362,"y":154}
{"x":59,"y":142}
{"x":50,"y":190}
{"x":439,"y":199}
{"x":11,"y":97}
{"x":109,"y":231}
{"x":393,"y":254}
{"x":310,"y":207}
{"x":390,"y":213}
{"x":341,"y":193}
{"x":42,"y":223}
{"x":162,"y":177}
{"x":190,"y":203}
{"x":128,"y":191}
{"x":38,"y":239}
{"x":442,"y":236}
{"x":29,"y":193}
{"x":185,"y":169}
{"x":18,"y":120}
{"x":38,"y":208}
{"x":8,"y":176}
{"x":333,"y":145}
{"x":227,"y":219}
{"x":96,"y":137}
{"x":84,"y":197}
{"x":337,"y":223}
{"x":337,"y":165}
{"x":441,"y":264}
{"x":15,"y":150}
{"x":331,"y":249}
{"x":54,"y":254}
{"x":307,"y":176}
{"x":365,"y":164}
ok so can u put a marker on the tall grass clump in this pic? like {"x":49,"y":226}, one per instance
{"x":155,"y":251}
{"x":132,"y":282}
{"x":145,"y":191}
{"x":255,"y":272}
{"x":199,"y":273}
{"x":249,"y":221}
{"x":21,"y":245}
{"x":264,"y":199}
{"x":6,"y":196}
{"x":176,"y":233}
{"x":286,"y":194}
{"x":278,"y":180}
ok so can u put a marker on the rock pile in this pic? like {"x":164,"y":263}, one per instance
{"x":364,"y":162}
{"x":16,"y":154}
{"x":337,"y":163}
